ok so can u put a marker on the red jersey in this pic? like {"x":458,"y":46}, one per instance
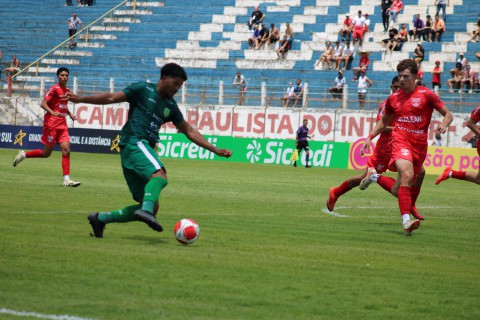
{"x":57,"y":105}
{"x":397,"y":6}
{"x":436,"y":76}
{"x":364,"y":62}
{"x":348,"y":22}
{"x":413,"y":112}
{"x":385,"y":139}
{"x":476,"y":117}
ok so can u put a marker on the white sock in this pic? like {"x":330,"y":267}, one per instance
{"x":450,"y":173}
{"x":66,"y":177}
{"x":405,"y":217}
{"x":375,"y":177}
{"x":24,"y":155}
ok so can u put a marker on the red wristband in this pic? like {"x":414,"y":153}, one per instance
{"x":370,"y":136}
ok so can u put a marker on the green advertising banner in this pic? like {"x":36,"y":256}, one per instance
{"x":270,"y":151}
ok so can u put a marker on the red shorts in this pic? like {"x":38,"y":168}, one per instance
{"x":405,"y":151}
{"x":358,"y":32}
{"x":379,"y":160}
{"x":52,"y":135}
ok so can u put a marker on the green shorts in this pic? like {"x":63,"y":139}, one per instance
{"x":139,"y":162}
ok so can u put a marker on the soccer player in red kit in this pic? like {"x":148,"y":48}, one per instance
{"x":55,"y":128}
{"x":466,"y":175}
{"x":412,"y":107}
{"x":377,"y":163}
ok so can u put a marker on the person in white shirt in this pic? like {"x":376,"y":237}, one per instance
{"x":337,"y":90}
{"x":289,"y":95}
{"x":358,"y":28}
{"x":363,"y":84}
{"x":242,"y":83}
{"x":73,"y":23}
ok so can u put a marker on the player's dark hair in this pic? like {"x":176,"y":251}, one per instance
{"x":61,"y":69}
{"x":173,"y":70}
{"x":395,"y":79}
{"x":409,"y":64}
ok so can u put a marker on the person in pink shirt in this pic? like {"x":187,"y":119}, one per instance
{"x":397,"y":6}
{"x":465,"y":175}
{"x":55,"y":130}
{"x":412,"y":106}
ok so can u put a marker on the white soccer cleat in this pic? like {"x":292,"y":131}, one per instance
{"x":410,"y":225}
{"x":70,"y":183}
{"x":368,"y":179}
{"x":19,"y":158}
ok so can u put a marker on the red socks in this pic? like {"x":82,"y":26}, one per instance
{"x":460,"y":175}
{"x":404,"y":200}
{"x":34,"y":154}
{"x":341,"y":189}
{"x":386,"y":183}
{"x":66,"y":164}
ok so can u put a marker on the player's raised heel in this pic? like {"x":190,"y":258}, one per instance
{"x":368,"y":179}
{"x":71,"y":183}
{"x":149,"y":219}
{"x":331,"y":199}
{"x":19,"y":158}
{"x":97,"y":225}
{"x":410,"y":225}
{"x":444,"y":175}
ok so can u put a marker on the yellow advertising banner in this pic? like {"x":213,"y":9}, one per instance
{"x":463,"y":159}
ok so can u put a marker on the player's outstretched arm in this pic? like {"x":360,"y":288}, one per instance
{"x":197,"y":138}
{"x":102,"y":98}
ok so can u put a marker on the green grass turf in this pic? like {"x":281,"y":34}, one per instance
{"x":266,"y":250}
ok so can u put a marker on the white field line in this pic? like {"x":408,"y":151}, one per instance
{"x":40,"y":315}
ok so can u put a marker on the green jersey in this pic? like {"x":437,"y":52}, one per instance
{"x":147,"y":113}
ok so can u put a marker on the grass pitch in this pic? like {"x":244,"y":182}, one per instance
{"x":266,"y":249}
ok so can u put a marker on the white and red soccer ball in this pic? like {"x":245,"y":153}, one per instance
{"x":186,"y":231}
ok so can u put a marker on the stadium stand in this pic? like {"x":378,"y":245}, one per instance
{"x":211,"y":42}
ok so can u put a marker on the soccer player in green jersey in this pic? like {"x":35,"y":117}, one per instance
{"x":151,"y":106}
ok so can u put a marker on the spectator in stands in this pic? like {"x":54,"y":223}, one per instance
{"x":427,"y":30}
{"x":438,"y":28}
{"x":346,"y":30}
{"x":396,"y":43}
{"x":358,"y":28}
{"x":284,"y":47}
{"x":468,"y":78}
{"x":242,"y":84}
{"x":338,"y":54}
{"x":476,"y":81}
{"x":73,"y":23}
{"x":337,"y":90}
{"x":395,"y":9}
{"x":419,"y":53}
{"x":462,"y":60}
{"x":68,"y":3}
{"x":347,"y":56}
{"x":392,"y":37}
{"x":418,"y":26}
{"x":403,"y":33}
{"x":362,"y":66}
{"x":289,"y":95}
{"x":289,"y":34}
{"x":274,"y":35}
{"x":459,"y":74}
{"x":264,"y":34}
{"x":436,"y":73}
{"x":298,"y":92}
{"x":327,"y":56}
{"x":253,"y":40}
{"x":256,"y":18}
{"x":367,"y":24}
{"x":363,"y":84}
{"x":14,"y":67}
{"x":476,"y":33}
{"x":442,"y":5}
{"x":419,"y":80}
{"x":386,"y":5}
{"x":438,"y":140}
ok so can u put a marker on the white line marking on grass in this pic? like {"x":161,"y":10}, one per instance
{"x":333,"y":213}
{"x":40,"y":315}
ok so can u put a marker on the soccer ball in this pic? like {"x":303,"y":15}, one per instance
{"x":186,"y":231}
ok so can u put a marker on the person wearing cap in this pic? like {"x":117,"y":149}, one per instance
{"x":337,"y":90}
{"x":386,"y":4}
{"x":436,"y":81}
{"x":363,"y":64}
{"x":468,"y":77}
{"x":346,"y":30}
{"x":462,"y":60}
{"x":438,"y":28}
